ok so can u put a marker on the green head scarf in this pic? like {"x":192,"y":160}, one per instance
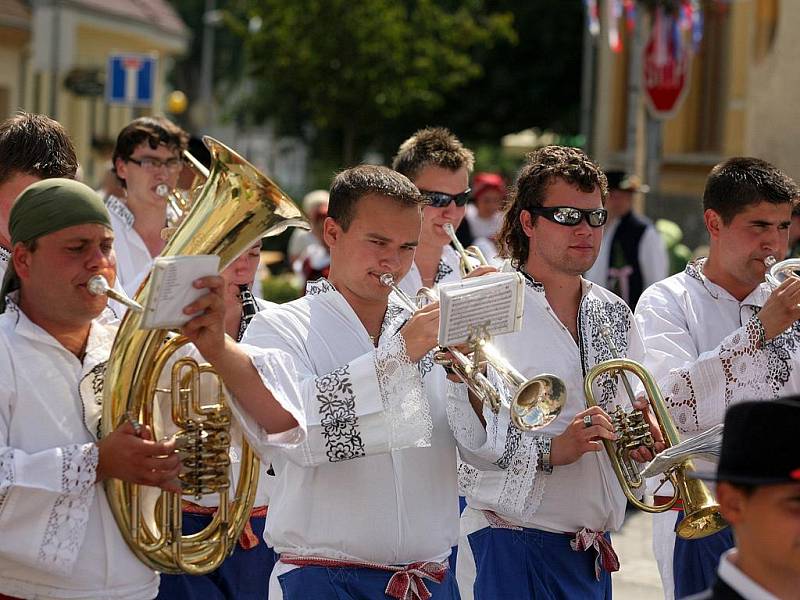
{"x":46,"y":207}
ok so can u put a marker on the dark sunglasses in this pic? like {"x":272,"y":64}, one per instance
{"x":440,"y":199}
{"x":571,"y":216}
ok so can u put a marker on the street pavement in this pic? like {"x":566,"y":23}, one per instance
{"x":637,"y":578}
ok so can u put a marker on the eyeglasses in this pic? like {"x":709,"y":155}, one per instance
{"x":571,"y":216}
{"x":153,"y":164}
{"x":441,"y":199}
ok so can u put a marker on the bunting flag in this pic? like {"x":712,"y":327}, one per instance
{"x":679,"y":22}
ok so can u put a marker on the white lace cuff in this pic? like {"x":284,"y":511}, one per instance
{"x":406,"y":408}
{"x":523,"y":486}
{"x":467,"y":428}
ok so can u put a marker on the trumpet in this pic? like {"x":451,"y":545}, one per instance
{"x":777,"y":272}
{"x":536,"y":402}
{"x":702,"y":516}
{"x":471,"y":257}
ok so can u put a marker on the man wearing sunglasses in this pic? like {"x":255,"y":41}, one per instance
{"x":539,"y":527}
{"x":147,"y":161}
{"x":439,"y":165}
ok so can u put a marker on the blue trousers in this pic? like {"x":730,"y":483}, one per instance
{"x":244,"y":575}
{"x":340,"y":583}
{"x":695,"y":562}
{"x":533,"y":564}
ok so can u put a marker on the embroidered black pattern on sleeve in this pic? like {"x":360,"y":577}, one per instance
{"x":337,"y":409}
{"x":595,"y":316}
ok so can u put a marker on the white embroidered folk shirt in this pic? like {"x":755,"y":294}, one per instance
{"x":375,"y":479}
{"x":585,"y":493}
{"x":703,"y":349}
{"x":133,"y":258}
{"x":59,"y":538}
{"x":447,"y":271}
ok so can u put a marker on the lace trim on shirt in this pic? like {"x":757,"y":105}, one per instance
{"x":6,"y":474}
{"x":91,"y":393}
{"x":469,"y":479}
{"x":338,"y":419}
{"x":781,"y":351}
{"x":464,"y":427}
{"x":694,"y":269}
{"x":66,"y":526}
{"x":319,"y":286}
{"x":530,"y":281}
{"x":442,"y":271}
{"x":523,"y":487}
{"x":119,"y":208}
{"x":404,"y":403}
{"x":5,"y":255}
{"x":597,"y":315}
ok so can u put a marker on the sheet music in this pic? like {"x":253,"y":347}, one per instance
{"x":171,"y":289}
{"x":491,"y":304}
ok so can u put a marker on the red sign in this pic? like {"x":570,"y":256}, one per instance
{"x":666,"y":76}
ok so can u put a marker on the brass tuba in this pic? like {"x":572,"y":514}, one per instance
{"x":702,"y":516}
{"x":236,"y":206}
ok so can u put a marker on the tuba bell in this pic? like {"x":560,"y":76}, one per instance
{"x":236,"y":206}
{"x":701,"y":512}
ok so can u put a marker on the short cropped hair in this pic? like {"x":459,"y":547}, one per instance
{"x":33,"y":144}
{"x":351,"y":185}
{"x":541,"y":167}
{"x":432,"y":146}
{"x":156,"y":131}
{"x":742,"y":181}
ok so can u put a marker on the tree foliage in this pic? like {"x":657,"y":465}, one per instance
{"x":349,"y":67}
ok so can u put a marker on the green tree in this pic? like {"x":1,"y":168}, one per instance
{"x":351,"y":67}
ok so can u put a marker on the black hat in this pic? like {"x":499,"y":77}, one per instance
{"x":620,"y":180}
{"x":759,"y":446}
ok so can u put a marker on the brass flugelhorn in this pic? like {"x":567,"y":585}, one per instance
{"x":777,"y":272}
{"x":236,"y":206}
{"x":702,"y":516}
{"x":535,"y":403}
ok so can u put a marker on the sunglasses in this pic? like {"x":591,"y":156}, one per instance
{"x":571,"y":216}
{"x":441,"y":199}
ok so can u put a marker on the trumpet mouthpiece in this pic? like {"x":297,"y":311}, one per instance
{"x":387,"y":279}
{"x":770,"y":261}
{"x":162,"y":189}
{"x":97,"y":285}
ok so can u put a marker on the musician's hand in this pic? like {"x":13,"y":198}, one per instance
{"x":421,"y":333}
{"x":482,"y":270}
{"x":781,"y":309}
{"x":138,"y":459}
{"x":578,"y":439}
{"x":207,"y":330}
{"x":642,"y":454}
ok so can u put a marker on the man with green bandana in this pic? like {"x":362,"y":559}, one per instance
{"x":59,"y":538}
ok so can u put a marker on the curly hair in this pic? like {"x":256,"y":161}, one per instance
{"x":432,"y":146}
{"x":351,"y":185}
{"x":541,"y":167}
{"x":741,"y":181}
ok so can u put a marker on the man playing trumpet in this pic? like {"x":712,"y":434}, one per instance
{"x":540,"y":528}
{"x":717,"y":333}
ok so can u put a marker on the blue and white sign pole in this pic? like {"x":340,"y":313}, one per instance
{"x":130,"y":79}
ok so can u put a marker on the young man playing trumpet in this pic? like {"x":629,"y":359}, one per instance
{"x":147,"y":160}
{"x":718,"y":334}
{"x":366,"y":505}
{"x":540,"y":528}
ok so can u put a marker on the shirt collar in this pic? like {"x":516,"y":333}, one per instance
{"x":5,"y":255}
{"x":119,"y":209}
{"x":740,"y":582}
{"x":755,"y":298}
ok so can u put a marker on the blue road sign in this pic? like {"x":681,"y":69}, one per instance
{"x":131,"y":79}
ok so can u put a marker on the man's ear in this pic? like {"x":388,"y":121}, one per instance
{"x":713,"y":221}
{"x":732,"y":502}
{"x":331,"y":232}
{"x":21,"y":258}
{"x":526,"y":220}
{"x":121,"y":168}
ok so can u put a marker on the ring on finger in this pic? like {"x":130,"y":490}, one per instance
{"x":587,"y":421}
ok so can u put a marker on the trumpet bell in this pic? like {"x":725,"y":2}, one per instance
{"x":777,"y":272}
{"x":538,"y":402}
